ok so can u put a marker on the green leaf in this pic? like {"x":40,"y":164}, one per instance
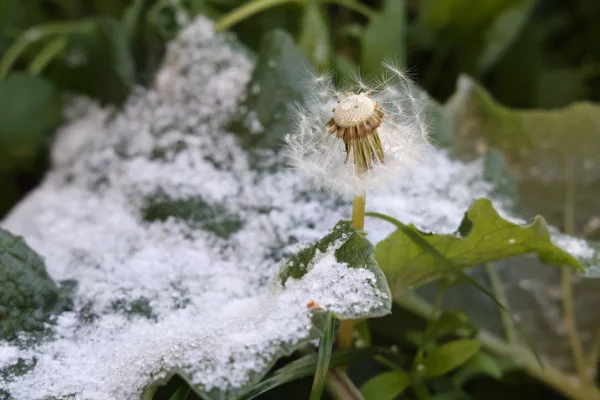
{"x":314,"y":37}
{"x":354,"y":250}
{"x":384,"y":37}
{"x":386,"y":386}
{"x":482,"y":364}
{"x":97,"y":62}
{"x":448,"y":357}
{"x":483,"y":236}
{"x":449,"y":323}
{"x":504,"y":29}
{"x":276,"y":84}
{"x":30,"y":109}
{"x":325,"y":346}
{"x":28,"y":296}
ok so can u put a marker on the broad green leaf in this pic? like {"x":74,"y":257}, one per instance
{"x":314,"y":37}
{"x":483,"y":236}
{"x":384,"y":37}
{"x":504,"y":29}
{"x":386,"y":386}
{"x":97,"y":62}
{"x":276,"y":84}
{"x":30,"y":109}
{"x":354,"y":250}
{"x":28,"y":297}
{"x":480,"y":364}
{"x":448,"y":357}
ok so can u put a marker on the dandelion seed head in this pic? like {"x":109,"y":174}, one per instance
{"x":354,"y":109}
{"x":359,"y":139}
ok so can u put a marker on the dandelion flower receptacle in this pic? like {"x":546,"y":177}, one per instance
{"x":353,"y":141}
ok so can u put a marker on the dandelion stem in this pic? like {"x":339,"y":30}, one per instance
{"x":358,"y":222}
{"x":358,"y":211}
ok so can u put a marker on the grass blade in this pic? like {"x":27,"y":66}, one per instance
{"x":325,"y":346}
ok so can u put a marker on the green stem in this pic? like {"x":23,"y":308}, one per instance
{"x":43,"y":58}
{"x":566,"y":281}
{"x":561,"y":382}
{"x":325,"y":346}
{"x":507,"y":324}
{"x":33,"y":35}
{"x":594,"y":356}
{"x":248,"y":10}
{"x":254,"y":7}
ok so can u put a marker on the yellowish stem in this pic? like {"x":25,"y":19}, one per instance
{"x":358,"y":211}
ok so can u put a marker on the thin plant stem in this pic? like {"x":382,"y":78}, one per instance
{"x":35,"y":34}
{"x":566,"y":281}
{"x":507,"y":324}
{"x":44,"y":57}
{"x":325,"y":346}
{"x":247,"y":10}
{"x":561,"y":382}
{"x":358,"y":222}
{"x":340,"y":387}
{"x":254,"y":7}
{"x":594,"y":355}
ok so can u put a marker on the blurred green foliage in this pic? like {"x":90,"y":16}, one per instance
{"x":527,"y":53}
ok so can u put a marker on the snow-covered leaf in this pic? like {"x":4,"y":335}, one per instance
{"x":28,"y":296}
{"x":354,"y":251}
{"x":483,"y":236}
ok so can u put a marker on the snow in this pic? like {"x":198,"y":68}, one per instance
{"x":217,"y":312}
